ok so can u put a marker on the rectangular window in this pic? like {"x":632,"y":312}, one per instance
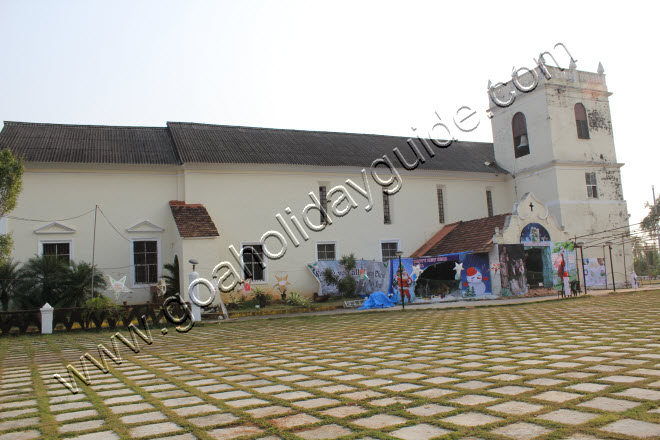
{"x":441,"y":206}
{"x":326,"y":252}
{"x":323,"y":198}
{"x":253,"y":259}
{"x":489,"y":202}
{"x":592,"y":187}
{"x":387,"y":219}
{"x":388,"y":250}
{"x":61,"y":251}
{"x":582,"y":129}
{"x":145,"y":260}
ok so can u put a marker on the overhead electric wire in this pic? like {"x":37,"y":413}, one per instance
{"x":113,"y":226}
{"x":49,"y":220}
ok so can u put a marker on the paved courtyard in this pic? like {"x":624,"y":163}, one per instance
{"x":575,"y":369}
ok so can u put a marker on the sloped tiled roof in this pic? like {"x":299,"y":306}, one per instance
{"x":192,"y":220}
{"x":88,"y":143}
{"x":204,"y":143}
{"x":180,"y":143}
{"x":464,"y":236}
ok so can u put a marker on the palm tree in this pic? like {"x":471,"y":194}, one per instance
{"x":78,"y":282}
{"x":172,"y":279}
{"x":8,"y":281}
{"x":43,"y":280}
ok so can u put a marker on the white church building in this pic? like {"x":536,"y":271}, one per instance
{"x":137,"y":196}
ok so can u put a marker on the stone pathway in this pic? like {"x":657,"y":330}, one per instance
{"x":586,"y":369}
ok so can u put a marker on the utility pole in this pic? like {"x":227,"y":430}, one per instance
{"x":96,"y":207}
{"x":625,"y":270}
{"x":655,"y":214}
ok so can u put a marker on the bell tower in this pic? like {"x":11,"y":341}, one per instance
{"x":552,"y":131}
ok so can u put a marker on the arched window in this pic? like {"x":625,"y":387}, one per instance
{"x":581,"y":121}
{"x":520,"y":138}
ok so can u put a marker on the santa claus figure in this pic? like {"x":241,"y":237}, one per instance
{"x":405,"y":282}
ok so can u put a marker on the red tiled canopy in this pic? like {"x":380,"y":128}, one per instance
{"x":470,"y":236}
{"x":192,"y":220}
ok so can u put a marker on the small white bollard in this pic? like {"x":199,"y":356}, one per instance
{"x":196,"y":310}
{"x":46,"y":319}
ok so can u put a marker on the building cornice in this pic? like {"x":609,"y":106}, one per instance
{"x":567,"y":164}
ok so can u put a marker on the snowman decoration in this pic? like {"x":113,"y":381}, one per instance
{"x":475,"y":281}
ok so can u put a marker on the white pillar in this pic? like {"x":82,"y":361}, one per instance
{"x":196,"y":310}
{"x":46,"y":319}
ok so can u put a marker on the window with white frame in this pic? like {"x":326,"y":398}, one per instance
{"x":60,"y":250}
{"x":326,"y":251}
{"x":145,"y":261}
{"x":592,"y":186}
{"x":388,"y":250}
{"x":254,"y":262}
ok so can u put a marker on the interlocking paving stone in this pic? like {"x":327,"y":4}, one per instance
{"x":379,"y":421}
{"x":234,"y":432}
{"x":557,"y":396}
{"x":134,"y":407}
{"x":521,"y":431}
{"x":294,"y":421}
{"x":602,"y":344}
{"x":588,"y":387}
{"x":103,"y":435}
{"x":609,"y":404}
{"x":510,"y":390}
{"x":422,"y":431}
{"x":640,"y":393}
{"x":81,"y":426}
{"x":141,"y":418}
{"x":633,"y":427}
{"x":432,"y":393}
{"x":20,"y":423}
{"x":472,"y":399}
{"x":154,"y":429}
{"x":430,"y":409}
{"x":471,"y":419}
{"x":213,"y":419}
{"x":515,"y":407}
{"x":567,"y":416}
{"x":268,"y":411}
{"x":324,"y":432}
{"x":344,"y":411}
{"x":21,"y":435}
{"x":622,"y":379}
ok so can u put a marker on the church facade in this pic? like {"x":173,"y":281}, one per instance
{"x":133,"y":198}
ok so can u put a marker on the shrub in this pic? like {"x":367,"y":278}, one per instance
{"x":295,"y":299}
{"x":347,"y":285}
{"x":261,"y":296}
{"x":99,"y":308}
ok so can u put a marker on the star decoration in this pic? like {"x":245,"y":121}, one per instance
{"x":118,"y":286}
{"x":417,"y":270}
{"x":458,"y":268}
{"x":495,"y":267}
{"x":282,"y":283}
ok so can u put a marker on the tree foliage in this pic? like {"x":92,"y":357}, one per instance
{"x":9,"y":274}
{"x":172,"y":279}
{"x":46,"y":279}
{"x":11,"y":183}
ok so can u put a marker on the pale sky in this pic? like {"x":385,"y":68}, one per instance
{"x":354,"y":66}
